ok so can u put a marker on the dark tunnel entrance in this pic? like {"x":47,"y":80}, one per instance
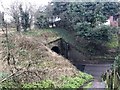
{"x":56,"y":49}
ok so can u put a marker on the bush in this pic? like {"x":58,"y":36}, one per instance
{"x":117,"y":63}
{"x":100,"y":33}
{"x":97,"y":37}
{"x":82,"y":29}
{"x":42,"y":84}
{"x":75,"y":82}
{"x":63,"y":82}
{"x":9,"y":85}
{"x":42,"y":22}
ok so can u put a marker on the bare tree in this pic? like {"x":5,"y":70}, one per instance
{"x":31,"y":9}
{"x":22,"y":15}
{"x":15,"y":13}
{"x":27,"y":16}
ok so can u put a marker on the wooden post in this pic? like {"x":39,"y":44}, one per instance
{"x":3,"y":21}
{"x":114,"y":75}
{"x":4,"y":26}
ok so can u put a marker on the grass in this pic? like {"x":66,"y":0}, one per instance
{"x":53,"y":34}
{"x":113,"y":43}
{"x":63,"y":82}
{"x":46,"y":68}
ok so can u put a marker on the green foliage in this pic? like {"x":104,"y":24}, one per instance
{"x":64,"y":82}
{"x":110,"y":8}
{"x":75,"y":82}
{"x":100,"y":33}
{"x":113,"y":42}
{"x":9,"y":85}
{"x":117,"y":63}
{"x":85,"y":76}
{"x":97,"y":37}
{"x":42,"y":22}
{"x":86,"y":20}
{"x":38,"y":85}
{"x":42,"y":84}
{"x":83,"y":29}
{"x":92,"y":12}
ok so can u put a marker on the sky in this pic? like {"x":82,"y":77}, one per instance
{"x":5,"y":4}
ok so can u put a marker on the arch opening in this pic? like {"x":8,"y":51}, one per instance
{"x":56,"y":49}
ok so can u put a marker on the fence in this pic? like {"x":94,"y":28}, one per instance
{"x":113,"y":80}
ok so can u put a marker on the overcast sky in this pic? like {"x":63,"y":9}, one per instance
{"x":36,"y":3}
{"x":6,"y":4}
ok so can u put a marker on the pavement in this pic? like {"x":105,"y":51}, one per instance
{"x":96,"y":70}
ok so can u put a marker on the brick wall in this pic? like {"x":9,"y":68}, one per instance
{"x":112,"y":21}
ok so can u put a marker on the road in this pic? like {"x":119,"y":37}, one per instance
{"x":96,"y":70}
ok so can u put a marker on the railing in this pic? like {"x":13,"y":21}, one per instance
{"x":117,"y":81}
{"x":113,"y":80}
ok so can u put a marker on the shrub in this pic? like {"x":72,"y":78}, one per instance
{"x":97,"y":36}
{"x":42,"y":84}
{"x":42,"y":22}
{"x":64,"y":82}
{"x":9,"y":85}
{"x":75,"y":82}
{"x":117,"y":63}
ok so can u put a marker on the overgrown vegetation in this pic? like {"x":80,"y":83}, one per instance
{"x":117,"y":64}
{"x":93,"y":43}
{"x":112,"y":77}
{"x":36,"y":66}
{"x":62,"y":82}
{"x":97,"y":37}
{"x":42,"y":22}
{"x":86,"y":20}
{"x":31,"y":64}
